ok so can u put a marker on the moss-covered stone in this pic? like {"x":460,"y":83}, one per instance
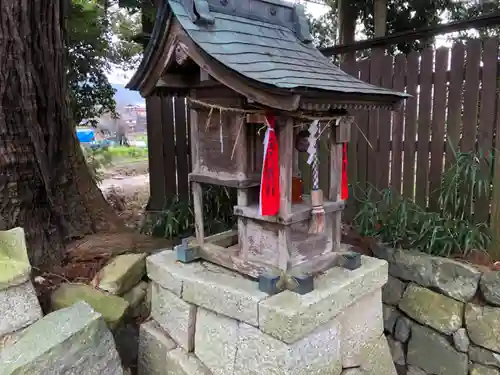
{"x":432,"y":309}
{"x":112,"y":308}
{"x":122,"y":273}
{"x":483,"y":326}
{"x":14,"y":263}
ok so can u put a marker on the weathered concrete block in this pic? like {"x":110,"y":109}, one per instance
{"x":376,"y":357}
{"x":216,"y":341}
{"x":289,"y":316}
{"x":229,"y":347}
{"x":164,"y":269}
{"x":442,"y":313}
{"x":224,"y":292}
{"x":74,"y":340}
{"x":362,"y":322}
{"x":483,"y":326}
{"x":174,"y":315}
{"x":179,"y":362}
{"x":15,"y":266}
{"x":19,"y":307}
{"x":121,"y":274}
{"x":112,"y":308}
{"x":433,"y":353}
{"x":154,"y":344}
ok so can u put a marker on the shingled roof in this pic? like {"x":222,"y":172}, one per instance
{"x":267,"y":42}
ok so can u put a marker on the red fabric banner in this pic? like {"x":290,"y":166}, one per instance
{"x":344,"y":194}
{"x":270,"y":179}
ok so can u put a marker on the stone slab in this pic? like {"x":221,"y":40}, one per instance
{"x":392,"y":292}
{"x":490,"y":287}
{"x":121,"y":274}
{"x":376,"y":357}
{"x":174,"y":315}
{"x":154,"y":344}
{"x":136,"y":295}
{"x":484,"y":356}
{"x":74,"y":340}
{"x":362,"y":322}
{"x":289,"y":317}
{"x":15,"y":266}
{"x":435,"y":310}
{"x":477,"y":369}
{"x":434,"y":354}
{"x":179,"y":362}
{"x":19,"y":307}
{"x":208,"y":286}
{"x":483,"y":326}
{"x":112,"y":308}
{"x":164,"y":269}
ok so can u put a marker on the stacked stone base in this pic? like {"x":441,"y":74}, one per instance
{"x":208,"y":320}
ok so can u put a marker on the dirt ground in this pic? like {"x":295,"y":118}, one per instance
{"x":126,"y":187}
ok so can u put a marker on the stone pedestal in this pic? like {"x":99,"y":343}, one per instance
{"x":209,"y":320}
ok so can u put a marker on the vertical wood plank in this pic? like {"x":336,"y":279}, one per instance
{"x":285,"y":142}
{"x":199,"y":224}
{"x":383,"y":160}
{"x":471,"y":95}
{"x":398,"y":126}
{"x":155,"y":153}
{"x":169,"y":168}
{"x":487,"y":119}
{"x":376,"y":61}
{"x":424,"y":122}
{"x":335,"y":189}
{"x":454,"y":119}
{"x":494,"y":249}
{"x":181,"y":148}
{"x":324,"y":153}
{"x":362,"y":122}
{"x":438,"y":125}
{"x":410,"y":126}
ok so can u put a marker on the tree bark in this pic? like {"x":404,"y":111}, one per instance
{"x":45,"y":186}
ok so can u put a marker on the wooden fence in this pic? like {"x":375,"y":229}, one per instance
{"x":454,"y":97}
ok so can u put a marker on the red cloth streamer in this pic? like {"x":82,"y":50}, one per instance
{"x":270,"y":179}
{"x":344,"y":194}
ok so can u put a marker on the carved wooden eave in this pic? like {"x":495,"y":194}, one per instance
{"x":310,"y":83}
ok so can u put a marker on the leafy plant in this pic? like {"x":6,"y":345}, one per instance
{"x":176,"y":221}
{"x":450,"y":230}
{"x":97,"y":159}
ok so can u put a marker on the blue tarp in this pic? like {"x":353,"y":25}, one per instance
{"x":85,"y":135}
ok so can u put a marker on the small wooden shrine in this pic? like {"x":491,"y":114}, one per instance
{"x":258,"y":94}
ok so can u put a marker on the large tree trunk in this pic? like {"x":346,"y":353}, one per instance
{"x":45,"y":186}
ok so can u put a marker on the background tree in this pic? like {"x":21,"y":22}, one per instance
{"x":45,"y":185}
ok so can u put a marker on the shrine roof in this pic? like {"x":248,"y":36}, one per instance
{"x":267,"y":41}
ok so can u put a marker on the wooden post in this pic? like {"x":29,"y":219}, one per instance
{"x":335,"y":186}
{"x":494,"y":249}
{"x":285,"y":144}
{"x":198,"y":212}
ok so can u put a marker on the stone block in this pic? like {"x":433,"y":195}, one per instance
{"x":461,"y":340}
{"x":435,"y":310}
{"x":397,"y":351}
{"x":15,"y":266}
{"x":483,"y":326}
{"x":174,"y":315}
{"x":391,"y":315}
{"x":229,"y":347}
{"x":136,"y":296}
{"x":19,"y":307}
{"x":224,"y":292}
{"x":412,"y":370}
{"x":392,"y":292}
{"x":112,"y":308}
{"x":216,"y":341}
{"x":476,"y":369}
{"x":362,"y":322}
{"x":433,"y":353}
{"x":154,"y":344}
{"x":454,"y":279}
{"x":490,"y":287}
{"x":484,"y":356}
{"x":179,"y":362}
{"x":376,"y":357}
{"x":289,"y":317}
{"x":72,"y":340}
{"x":121,"y":274}
{"x":164,"y":269}
{"x":402,"y":329}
